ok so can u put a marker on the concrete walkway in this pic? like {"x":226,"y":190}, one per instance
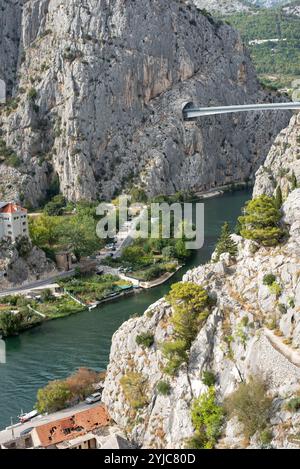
{"x":290,"y":354}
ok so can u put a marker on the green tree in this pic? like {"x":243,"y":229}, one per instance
{"x":133,"y":254}
{"x":260,"y":221}
{"x":79,"y":234}
{"x":225,"y":243}
{"x":10,"y":323}
{"x":53,"y":397}
{"x":43,"y":230}
{"x":181,"y":250}
{"x":190,"y":305}
{"x":169,"y":253}
{"x":278,"y":198}
{"x":55,"y":206}
{"x":207,"y":418}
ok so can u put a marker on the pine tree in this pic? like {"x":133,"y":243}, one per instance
{"x":225,"y":243}
{"x":278,"y":198}
{"x":261,"y":221}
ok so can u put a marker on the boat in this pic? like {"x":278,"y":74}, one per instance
{"x":27,"y":417}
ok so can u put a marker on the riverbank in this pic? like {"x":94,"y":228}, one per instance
{"x":56,"y":349}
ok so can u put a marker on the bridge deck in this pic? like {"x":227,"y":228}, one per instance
{"x":210,"y":111}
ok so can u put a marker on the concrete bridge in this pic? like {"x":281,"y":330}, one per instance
{"x":190,"y":112}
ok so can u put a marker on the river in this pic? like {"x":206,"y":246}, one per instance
{"x":56,"y":349}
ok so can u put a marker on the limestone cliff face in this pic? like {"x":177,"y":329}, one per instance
{"x":282,"y":165}
{"x":250,"y":331}
{"x":17,"y":267}
{"x":98,"y":94}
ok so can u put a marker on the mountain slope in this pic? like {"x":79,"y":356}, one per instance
{"x":223,"y":7}
{"x":97,"y":108}
{"x":252,"y":331}
{"x":273,"y":37}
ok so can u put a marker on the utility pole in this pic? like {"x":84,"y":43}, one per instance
{"x":12,"y":428}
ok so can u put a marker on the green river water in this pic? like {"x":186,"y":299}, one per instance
{"x":56,"y":349}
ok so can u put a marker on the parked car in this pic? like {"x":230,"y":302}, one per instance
{"x":96,"y":397}
{"x":26,"y":431}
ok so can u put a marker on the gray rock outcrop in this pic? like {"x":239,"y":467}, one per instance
{"x":252,"y":330}
{"x":98,"y":95}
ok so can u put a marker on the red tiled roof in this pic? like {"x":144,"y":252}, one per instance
{"x":12,"y":208}
{"x":71,"y":427}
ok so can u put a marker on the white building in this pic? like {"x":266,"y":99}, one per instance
{"x":13,"y":221}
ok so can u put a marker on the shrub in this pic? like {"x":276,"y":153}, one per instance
{"x":176,"y":353}
{"x":163,"y":388}
{"x":225,"y":243}
{"x":153,"y":273}
{"x":207,"y":418}
{"x":293,"y":405}
{"x":269,"y":279}
{"x":134,"y":388}
{"x":53,"y":397}
{"x":266,"y":437}
{"x":260,"y":221}
{"x":208,"y":378}
{"x":145,"y":339}
{"x":10,"y":324}
{"x":81,"y":383}
{"x":275,"y":289}
{"x":251,"y":405}
{"x":32,"y":94}
{"x":278,"y":198}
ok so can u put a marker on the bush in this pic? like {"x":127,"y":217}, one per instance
{"x":275,"y":289}
{"x":163,"y":388}
{"x":293,"y":404}
{"x":145,"y":339}
{"x":10,"y":324}
{"x":134,"y":388}
{"x":269,"y":279}
{"x":53,"y":397}
{"x":261,"y":221}
{"x":176,"y":354}
{"x":153,"y":273}
{"x":207,"y":418}
{"x":208,"y":378}
{"x":251,"y":405}
{"x":266,"y":437}
{"x":225,"y":243}
{"x":55,"y":206}
{"x":32,"y":94}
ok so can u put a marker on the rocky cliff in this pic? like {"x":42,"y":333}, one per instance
{"x":253,"y":330}
{"x":23,"y":263}
{"x":98,"y":88}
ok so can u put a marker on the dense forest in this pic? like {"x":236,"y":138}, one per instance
{"x":280,"y":55}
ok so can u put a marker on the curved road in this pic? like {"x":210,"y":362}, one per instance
{"x":38,"y":283}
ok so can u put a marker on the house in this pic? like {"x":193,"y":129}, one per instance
{"x":74,"y":431}
{"x":13,"y":221}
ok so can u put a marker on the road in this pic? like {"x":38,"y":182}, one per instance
{"x":191,"y":113}
{"x":37,"y":284}
{"x":7,"y":434}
